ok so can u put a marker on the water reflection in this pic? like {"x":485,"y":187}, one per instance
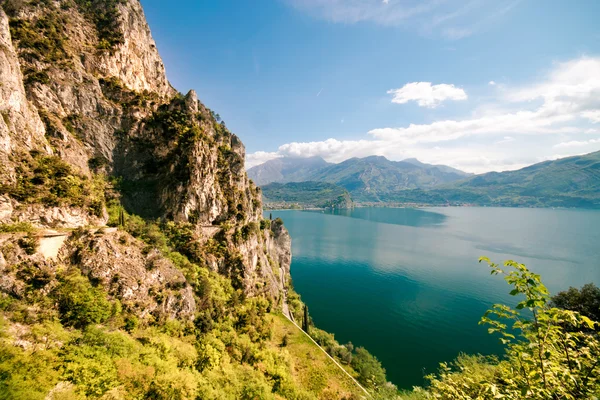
{"x":398,"y":216}
{"x":406,"y":284}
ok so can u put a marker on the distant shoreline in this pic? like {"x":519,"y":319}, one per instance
{"x":297,"y":207}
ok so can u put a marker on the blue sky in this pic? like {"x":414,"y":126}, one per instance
{"x":477,"y":84}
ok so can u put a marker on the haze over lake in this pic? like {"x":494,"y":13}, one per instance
{"x":406,"y":284}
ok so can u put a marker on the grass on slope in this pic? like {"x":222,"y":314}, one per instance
{"x":311,"y":368}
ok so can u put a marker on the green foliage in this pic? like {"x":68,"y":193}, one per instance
{"x":36,"y":76}
{"x":43,"y":39}
{"x":306,"y":194}
{"x":548,"y":354}
{"x":107,"y":352}
{"x":370,"y":372}
{"x":567,"y":182}
{"x":115,"y":90}
{"x":79,"y":303}
{"x":29,"y":243}
{"x":305,"y":320}
{"x":265,"y":224}
{"x":52,"y":182}
{"x":17,"y":227}
{"x":24,"y":374}
{"x":104,"y":14}
{"x":585,"y":301}
{"x":177,"y":125}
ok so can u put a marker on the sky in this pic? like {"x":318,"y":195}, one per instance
{"x":478,"y":85}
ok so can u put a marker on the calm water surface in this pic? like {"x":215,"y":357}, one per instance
{"x":405,"y":283}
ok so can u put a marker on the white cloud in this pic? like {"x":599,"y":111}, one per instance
{"x":426,"y":94}
{"x":506,"y":139}
{"x":451,"y":19}
{"x":577,"y":143}
{"x":260,"y":157}
{"x":593,"y":116}
{"x":566,"y":101}
{"x":492,"y":83}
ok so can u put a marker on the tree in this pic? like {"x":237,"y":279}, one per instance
{"x":585,"y":301}
{"x":370,"y":372}
{"x":121,"y":217}
{"x":79,"y":303}
{"x":305,"y":322}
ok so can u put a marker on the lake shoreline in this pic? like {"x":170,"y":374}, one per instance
{"x":411,"y":275}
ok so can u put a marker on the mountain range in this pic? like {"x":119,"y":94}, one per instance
{"x":567,"y":182}
{"x":367,"y":179}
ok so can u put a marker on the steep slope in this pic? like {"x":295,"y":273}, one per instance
{"x":285,"y":169}
{"x":566,"y":182}
{"x":96,"y":81}
{"x":174,"y":300}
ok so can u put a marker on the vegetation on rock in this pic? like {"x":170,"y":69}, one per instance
{"x":52,"y":182}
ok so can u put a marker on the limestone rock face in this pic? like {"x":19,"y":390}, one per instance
{"x":137,"y":63}
{"x":20,"y":125}
{"x":101,"y":102}
{"x":54,"y":217}
{"x":148,"y":283}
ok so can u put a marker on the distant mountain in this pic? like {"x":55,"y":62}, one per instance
{"x":285,"y":169}
{"x":306,"y":194}
{"x":567,"y":182}
{"x":365,"y":178}
{"x":443,"y":168}
{"x":369,"y":178}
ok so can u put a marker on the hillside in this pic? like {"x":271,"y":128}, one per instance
{"x":305,"y":194}
{"x":370,"y":178}
{"x":367,"y":179}
{"x":285,"y":169}
{"x":134,"y":259}
{"x":566,"y":182}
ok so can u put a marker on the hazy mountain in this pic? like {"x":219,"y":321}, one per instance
{"x":365,"y":178}
{"x":370,"y":177}
{"x":285,"y":169}
{"x":443,"y":168}
{"x":566,"y":182}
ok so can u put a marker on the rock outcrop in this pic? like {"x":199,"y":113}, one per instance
{"x":89,"y":118}
{"x":20,"y":126}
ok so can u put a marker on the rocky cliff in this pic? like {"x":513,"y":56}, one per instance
{"x":91,"y":126}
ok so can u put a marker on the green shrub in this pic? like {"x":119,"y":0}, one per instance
{"x":17,"y":227}
{"x":551,"y":358}
{"x":585,"y":301}
{"x":29,"y":244}
{"x":36,"y":76}
{"x":106,"y":17}
{"x":79,"y":303}
{"x":51,"y":181}
{"x":42,"y":39}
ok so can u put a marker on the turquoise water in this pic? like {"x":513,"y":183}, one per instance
{"x":405,"y":283}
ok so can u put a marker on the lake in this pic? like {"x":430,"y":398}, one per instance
{"x":405,"y":283}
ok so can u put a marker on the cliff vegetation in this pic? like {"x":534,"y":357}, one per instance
{"x":135,"y":262}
